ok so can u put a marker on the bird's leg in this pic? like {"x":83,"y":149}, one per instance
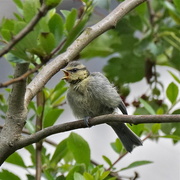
{"x":86,"y":121}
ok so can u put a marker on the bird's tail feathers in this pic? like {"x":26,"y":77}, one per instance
{"x":128,"y":138}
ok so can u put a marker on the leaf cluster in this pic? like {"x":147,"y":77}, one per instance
{"x":52,"y":34}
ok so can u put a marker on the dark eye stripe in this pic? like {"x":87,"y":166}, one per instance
{"x":76,"y":69}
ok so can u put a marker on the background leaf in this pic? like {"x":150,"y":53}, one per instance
{"x":147,"y":106}
{"x":172,"y":92}
{"x":80,"y":148}
{"x":16,"y":159}
{"x":6,"y":175}
{"x":60,"y":152}
{"x":51,"y":117}
{"x":135,"y":164}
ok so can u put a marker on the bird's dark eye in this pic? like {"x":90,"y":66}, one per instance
{"x":74,"y":70}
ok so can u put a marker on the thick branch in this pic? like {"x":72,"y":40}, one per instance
{"x":75,"y":48}
{"x":16,"y":115}
{"x":42,"y":11}
{"x":132,"y":119}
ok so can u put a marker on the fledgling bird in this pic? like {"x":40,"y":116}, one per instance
{"x":91,"y":94}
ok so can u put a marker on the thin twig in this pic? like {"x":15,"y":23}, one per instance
{"x":22,"y":77}
{"x":54,"y":51}
{"x":42,"y":12}
{"x":151,"y":12}
{"x":39,"y":119}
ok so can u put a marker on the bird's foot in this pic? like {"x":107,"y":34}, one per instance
{"x":86,"y":121}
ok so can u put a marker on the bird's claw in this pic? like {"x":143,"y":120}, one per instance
{"x":86,"y":121}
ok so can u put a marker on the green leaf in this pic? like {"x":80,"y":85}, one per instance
{"x":172,"y":92}
{"x":118,"y":68}
{"x":30,"y":177}
{"x":60,"y":152}
{"x":6,"y":175}
{"x":98,"y":47}
{"x":175,"y":59}
{"x":176,"y":126}
{"x":51,"y":117}
{"x":47,"y":41}
{"x":117,"y":146}
{"x":18,"y":3}
{"x":30,"y":125}
{"x":7,"y":28}
{"x":14,"y":59}
{"x":32,"y":152}
{"x":65,"y":13}
{"x":135,"y":164}
{"x":88,"y":176}
{"x":76,"y":169}
{"x":77,"y":29}
{"x":71,"y":19}
{"x":137,"y":129}
{"x":174,"y":137}
{"x":6,"y":34}
{"x":79,"y":148}
{"x":177,"y":4}
{"x":166,"y":128}
{"x":16,"y":159}
{"x":142,"y":9}
{"x":104,"y":175}
{"x":174,"y":76}
{"x":147,"y":106}
{"x":48,"y":175}
{"x":56,"y":27}
{"x":58,"y":91}
{"x":78,"y":176}
{"x":8,"y":24}
{"x":30,"y":9}
{"x":107,"y":160}
{"x":52,"y":3}
{"x":61,"y":177}
{"x":173,"y":12}
{"x":156,"y":128}
{"x":177,"y":111}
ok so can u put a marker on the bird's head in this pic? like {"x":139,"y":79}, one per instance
{"x":75,"y":72}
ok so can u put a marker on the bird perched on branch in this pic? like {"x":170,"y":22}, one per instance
{"x":91,"y":94}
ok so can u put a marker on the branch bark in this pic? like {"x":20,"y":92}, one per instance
{"x":75,"y":48}
{"x":16,"y":115}
{"x":132,"y":119}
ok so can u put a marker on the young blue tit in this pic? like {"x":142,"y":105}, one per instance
{"x":91,"y":94}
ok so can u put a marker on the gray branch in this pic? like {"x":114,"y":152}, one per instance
{"x":16,"y":115}
{"x":132,"y":119}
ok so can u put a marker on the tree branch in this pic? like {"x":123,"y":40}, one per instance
{"x":16,"y":115}
{"x":42,"y":11}
{"x":132,"y":119}
{"x":75,"y":48}
{"x":39,"y":144}
{"x":22,"y":77}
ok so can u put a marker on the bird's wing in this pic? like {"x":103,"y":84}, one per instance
{"x":105,"y":92}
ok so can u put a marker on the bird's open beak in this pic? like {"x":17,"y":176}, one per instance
{"x":66,"y":74}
